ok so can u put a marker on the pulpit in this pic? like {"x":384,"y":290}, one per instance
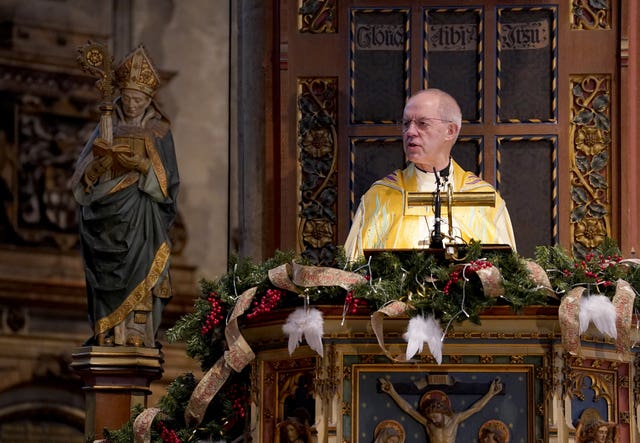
{"x":545,"y":389}
{"x":322,"y":354}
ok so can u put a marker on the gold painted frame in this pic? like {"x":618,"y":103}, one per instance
{"x":521,"y":390}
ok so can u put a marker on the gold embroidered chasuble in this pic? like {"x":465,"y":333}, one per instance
{"x":382,"y":221}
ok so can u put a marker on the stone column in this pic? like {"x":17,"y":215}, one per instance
{"x":116,"y":379}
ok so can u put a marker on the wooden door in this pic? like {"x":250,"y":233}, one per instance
{"x":538,"y":86}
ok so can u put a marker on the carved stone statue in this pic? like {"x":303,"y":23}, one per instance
{"x":293,"y":430}
{"x":389,"y":431}
{"x":126,"y":183}
{"x":435,"y":413}
{"x":593,"y":429}
{"x":493,"y":431}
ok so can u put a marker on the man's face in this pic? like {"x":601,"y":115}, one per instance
{"x":427,"y":140}
{"x":489,"y":438}
{"x":134,"y":102}
{"x":437,"y":419}
{"x":292,"y":432}
{"x":601,"y":435}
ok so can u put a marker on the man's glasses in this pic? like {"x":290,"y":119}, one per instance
{"x":422,"y":124}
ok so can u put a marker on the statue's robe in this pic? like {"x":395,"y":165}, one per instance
{"x":124,"y":230}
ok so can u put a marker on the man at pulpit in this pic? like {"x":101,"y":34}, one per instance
{"x":431,"y":123}
{"x":127,"y":189}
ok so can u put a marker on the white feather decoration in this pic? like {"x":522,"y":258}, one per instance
{"x":314,"y":330}
{"x":415,"y":336}
{"x":599,"y":310}
{"x":307,"y":323}
{"x":420,"y":331}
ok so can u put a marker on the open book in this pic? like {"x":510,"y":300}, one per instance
{"x":102,"y":149}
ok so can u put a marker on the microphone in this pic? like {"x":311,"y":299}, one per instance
{"x":436,"y":235}
{"x":444,"y":174}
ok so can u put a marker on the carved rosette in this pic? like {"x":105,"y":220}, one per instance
{"x":590,"y":145}
{"x":317,"y":16}
{"x":317,"y":168}
{"x":590,"y":15}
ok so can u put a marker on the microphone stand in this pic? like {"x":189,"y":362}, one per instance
{"x":436,"y":235}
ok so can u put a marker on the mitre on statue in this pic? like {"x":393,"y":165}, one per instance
{"x":136,"y":71}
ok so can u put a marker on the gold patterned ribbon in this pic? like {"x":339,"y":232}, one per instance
{"x":294,"y":276}
{"x":630,"y":261}
{"x":623,"y":304}
{"x":540,"y":277}
{"x":491,"y":280}
{"x":569,"y":316}
{"x":393,"y":309}
{"x":239,"y":354}
{"x":142,"y":425}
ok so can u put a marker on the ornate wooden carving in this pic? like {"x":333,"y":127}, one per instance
{"x":590,"y":15}
{"x":590,"y":151}
{"x":317,"y":157}
{"x":317,"y":16}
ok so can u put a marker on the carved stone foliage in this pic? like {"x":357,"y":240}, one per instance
{"x":317,"y":165}
{"x":590,"y":143}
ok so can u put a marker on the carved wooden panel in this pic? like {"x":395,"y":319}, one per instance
{"x":601,"y":385}
{"x":317,"y":157}
{"x":511,"y":67}
{"x":371,"y":159}
{"x":590,"y":147}
{"x":527,"y":65}
{"x":453,"y":56}
{"x":379,"y":46}
{"x":533,"y":199}
{"x":288,"y":390}
{"x":45,"y":119}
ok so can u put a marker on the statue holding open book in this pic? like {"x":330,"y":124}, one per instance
{"x":126,"y":184}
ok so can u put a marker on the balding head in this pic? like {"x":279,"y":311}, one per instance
{"x":447,"y":107}
{"x":430,"y":126}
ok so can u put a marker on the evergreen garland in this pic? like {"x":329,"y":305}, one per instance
{"x":598,"y":271}
{"x":446,"y":289}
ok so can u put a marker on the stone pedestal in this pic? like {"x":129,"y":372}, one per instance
{"x":116,"y":379}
